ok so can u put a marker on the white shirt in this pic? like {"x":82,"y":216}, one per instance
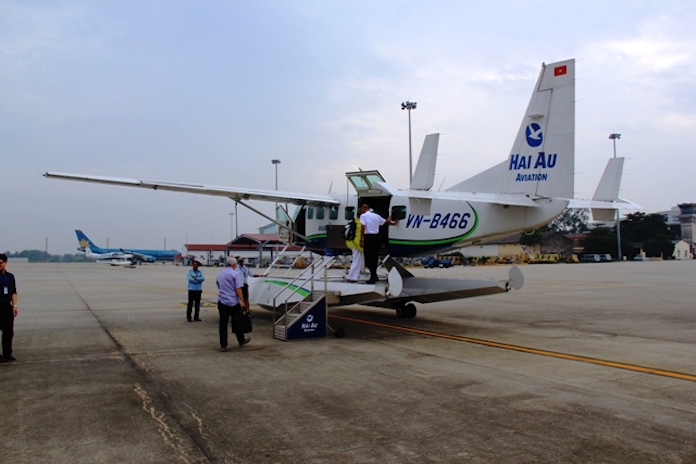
{"x":371,"y":222}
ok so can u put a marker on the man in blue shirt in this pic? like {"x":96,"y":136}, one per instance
{"x":245,"y":274}
{"x":195,"y":290}
{"x":8,"y":309}
{"x":231,"y":303}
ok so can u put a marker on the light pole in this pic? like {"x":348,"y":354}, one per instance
{"x":231,"y":226}
{"x":613,"y":138}
{"x":409,"y":105}
{"x":276,"y":162}
{"x":275,"y":207}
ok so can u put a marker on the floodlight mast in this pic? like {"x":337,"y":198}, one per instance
{"x":613,"y":137}
{"x":409,"y":105}
{"x":276,"y":162}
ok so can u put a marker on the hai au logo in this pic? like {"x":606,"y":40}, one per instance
{"x":310,"y":318}
{"x":534,"y":135}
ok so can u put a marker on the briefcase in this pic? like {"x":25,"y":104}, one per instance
{"x":246,"y":323}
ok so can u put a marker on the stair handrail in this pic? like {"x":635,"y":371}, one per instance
{"x":278,"y":256}
{"x":324,"y":263}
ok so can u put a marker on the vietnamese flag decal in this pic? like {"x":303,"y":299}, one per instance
{"x":560,"y":71}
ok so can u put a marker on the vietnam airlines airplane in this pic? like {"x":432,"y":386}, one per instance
{"x":528,"y":189}
{"x":147,"y":256}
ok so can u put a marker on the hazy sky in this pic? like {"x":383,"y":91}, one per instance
{"x":211,"y":91}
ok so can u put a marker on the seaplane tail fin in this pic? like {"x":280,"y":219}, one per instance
{"x":606,"y":201}
{"x":424,"y":177}
{"x":608,"y":190}
{"x":542,"y":159}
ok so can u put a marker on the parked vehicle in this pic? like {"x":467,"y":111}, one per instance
{"x":434,"y":262}
{"x":594,"y":258}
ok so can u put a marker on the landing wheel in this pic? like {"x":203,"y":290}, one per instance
{"x":338,"y":333}
{"x":408,"y":310}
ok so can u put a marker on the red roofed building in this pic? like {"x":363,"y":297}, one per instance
{"x":254,"y":248}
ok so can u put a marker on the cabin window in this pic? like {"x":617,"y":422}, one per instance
{"x":349,"y":213}
{"x":333,"y":213}
{"x":398,"y":212}
{"x":320,"y":212}
{"x":310,"y":212}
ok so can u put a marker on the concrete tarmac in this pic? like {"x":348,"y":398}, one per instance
{"x":588,"y":363}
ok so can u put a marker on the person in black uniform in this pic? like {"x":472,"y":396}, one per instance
{"x":8,"y":309}
{"x":370,"y":239}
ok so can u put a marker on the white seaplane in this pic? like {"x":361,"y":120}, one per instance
{"x":533,"y":185}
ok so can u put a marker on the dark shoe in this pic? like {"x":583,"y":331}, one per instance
{"x":246,"y":340}
{"x":189,"y":320}
{"x":223,"y":348}
{"x":2,"y":360}
{"x":9,"y":358}
{"x":371,"y":281}
{"x":197,"y":320}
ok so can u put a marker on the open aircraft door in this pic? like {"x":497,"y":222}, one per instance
{"x":367,"y":185}
{"x":282,"y":217}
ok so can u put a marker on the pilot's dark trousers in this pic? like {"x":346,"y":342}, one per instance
{"x":7,"y":327}
{"x":229,"y":314}
{"x":194,"y":299}
{"x":371,"y":247}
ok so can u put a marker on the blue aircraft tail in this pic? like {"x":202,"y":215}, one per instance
{"x":83,"y":242}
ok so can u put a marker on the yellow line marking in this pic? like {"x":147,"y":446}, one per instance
{"x":524,"y":349}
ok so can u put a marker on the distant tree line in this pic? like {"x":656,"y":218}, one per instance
{"x":637,"y":229}
{"x":38,"y":256}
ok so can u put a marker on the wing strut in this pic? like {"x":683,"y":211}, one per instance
{"x":280,"y":224}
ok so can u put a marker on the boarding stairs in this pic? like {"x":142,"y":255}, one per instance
{"x":305,"y":316}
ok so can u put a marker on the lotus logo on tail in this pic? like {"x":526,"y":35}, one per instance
{"x":534,"y":135}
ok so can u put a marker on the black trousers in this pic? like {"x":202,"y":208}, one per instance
{"x":194,"y":299}
{"x":7,"y":327}
{"x":245,"y":292}
{"x":371,"y":247}
{"x":232,"y":314}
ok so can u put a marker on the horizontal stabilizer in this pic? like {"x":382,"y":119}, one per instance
{"x":603,"y":215}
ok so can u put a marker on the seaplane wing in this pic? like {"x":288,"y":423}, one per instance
{"x":237,"y":194}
